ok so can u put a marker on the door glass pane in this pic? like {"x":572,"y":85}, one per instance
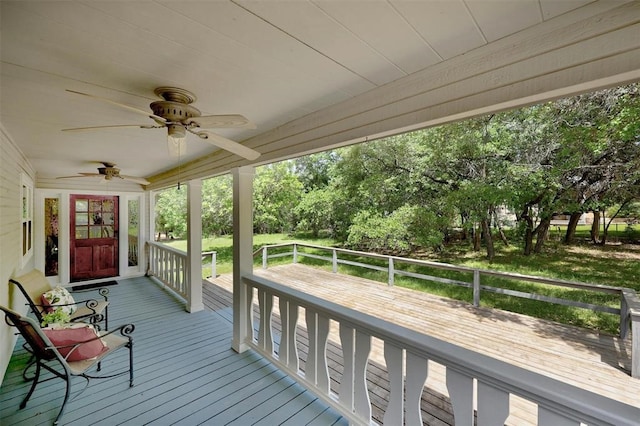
{"x":107,"y":218}
{"x":95,"y":205}
{"x":107,"y":205}
{"x":96,"y":218}
{"x":82,"y":219}
{"x":51,"y":206}
{"x":82,"y":233}
{"x":95,"y":231}
{"x":82,"y":205}
{"x":107,"y":232}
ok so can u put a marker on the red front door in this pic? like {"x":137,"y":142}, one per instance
{"x":94,"y":237}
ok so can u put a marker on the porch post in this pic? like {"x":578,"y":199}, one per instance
{"x":194,"y":245}
{"x":242,"y":253}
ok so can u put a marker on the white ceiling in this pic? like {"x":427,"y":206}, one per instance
{"x":272,"y":61}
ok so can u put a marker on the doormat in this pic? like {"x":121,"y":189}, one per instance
{"x":94,"y":285}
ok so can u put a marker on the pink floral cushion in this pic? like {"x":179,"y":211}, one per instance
{"x":58,"y":296}
{"x":73,"y":335}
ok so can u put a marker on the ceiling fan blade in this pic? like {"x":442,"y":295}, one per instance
{"x":228,"y":145}
{"x":135,"y":179}
{"x":157,"y":118}
{"x":221,"y":121}
{"x":80,"y":175}
{"x":84,"y":129}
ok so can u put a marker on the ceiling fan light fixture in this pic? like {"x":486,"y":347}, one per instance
{"x":176,"y":139}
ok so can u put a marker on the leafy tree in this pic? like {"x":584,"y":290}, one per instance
{"x":314,"y":170}
{"x":315,"y":210}
{"x":171,"y":212}
{"x":217,"y":206}
{"x":276,"y":193}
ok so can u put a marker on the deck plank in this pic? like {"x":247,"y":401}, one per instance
{"x":185,"y":372}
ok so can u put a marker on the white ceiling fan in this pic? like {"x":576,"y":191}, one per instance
{"x":109,"y":172}
{"x":176,"y":113}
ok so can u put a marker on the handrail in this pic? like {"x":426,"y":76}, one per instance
{"x":406,"y":353}
{"x":629,"y":311}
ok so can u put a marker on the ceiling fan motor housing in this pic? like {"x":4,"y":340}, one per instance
{"x":109,"y":172}
{"x":175,"y":106}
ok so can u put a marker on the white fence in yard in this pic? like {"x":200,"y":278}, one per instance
{"x":629,"y":310}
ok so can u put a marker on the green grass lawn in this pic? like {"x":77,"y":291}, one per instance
{"x":614,"y":265}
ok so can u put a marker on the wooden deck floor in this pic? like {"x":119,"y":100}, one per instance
{"x":185,"y":373}
{"x":598,"y":363}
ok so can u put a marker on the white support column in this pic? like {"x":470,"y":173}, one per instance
{"x":242,"y":252}
{"x":149,"y":228}
{"x":194,"y":245}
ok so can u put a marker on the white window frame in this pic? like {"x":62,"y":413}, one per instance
{"x":26,"y":218}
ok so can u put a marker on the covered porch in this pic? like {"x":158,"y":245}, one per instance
{"x":306,"y":92}
{"x":186,"y":372}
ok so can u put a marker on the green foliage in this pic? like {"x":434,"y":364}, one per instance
{"x":315,"y":211}
{"x":58,"y":316}
{"x":217,"y":206}
{"x":276,"y":192}
{"x":171,"y":212}
{"x":372,"y":232}
{"x":414,"y":190}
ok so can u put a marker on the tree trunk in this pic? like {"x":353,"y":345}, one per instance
{"x":608,"y":224}
{"x":595,"y":227}
{"x":542,"y":232}
{"x":503,"y":237}
{"x":528,"y":232}
{"x":476,"y":238}
{"x":571,"y":228}
{"x":488,"y":239}
{"x":605,"y":228}
{"x":465,"y":230}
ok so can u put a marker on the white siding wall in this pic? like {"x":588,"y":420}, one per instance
{"x":12,"y":164}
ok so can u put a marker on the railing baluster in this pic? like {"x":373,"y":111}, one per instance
{"x":353,"y":386}
{"x":362,"y":403}
{"x":316,"y":370}
{"x":248,"y":302}
{"x":293,"y":360}
{"x":347,"y":341}
{"x":460,"y":388}
{"x":322,"y":367}
{"x":394,"y":415}
{"x":493,"y":405}
{"x":265,"y":335}
{"x":311,"y":366}
{"x":288,"y":351}
{"x":392,"y":272}
{"x":417,"y":371}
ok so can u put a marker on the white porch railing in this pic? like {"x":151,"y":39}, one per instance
{"x":169,"y":265}
{"x":629,"y":311}
{"x":474,"y":381}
